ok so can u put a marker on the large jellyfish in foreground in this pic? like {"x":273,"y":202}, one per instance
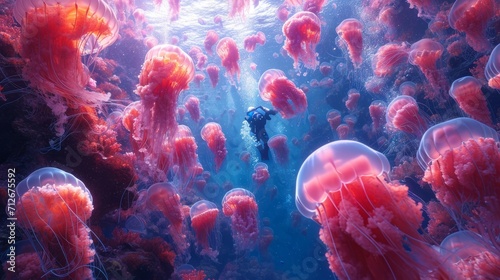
{"x":54,"y":36}
{"x":370,"y":227}
{"x":204,"y":223}
{"x":283,"y":94}
{"x":302,"y":31}
{"x":52,"y":209}
{"x":240,"y":205}
{"x":167,"y":71}
{"x":461,"y":160}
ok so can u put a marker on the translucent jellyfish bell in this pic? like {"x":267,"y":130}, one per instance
{"x":49,"y":176}
{"x":449,"y":135}
{"x":331,"y":166}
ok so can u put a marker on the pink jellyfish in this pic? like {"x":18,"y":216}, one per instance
{"x":302,"y":32}
{"x":229,"y":55}
{"x":197,"y":55}
{"x":251,"y":41}
{"x":370,"y":227}
{"x":52,"y":209}
{"x":240,"y":205}
{"x":388,"y":58}
{"x":216,"y":141}
{"x":163,"y":197}
{"x":325,"y":68}
{"x":402,"y":114}
{"x":54,"y":36}
{"x":461,"y":161}
{"x":239,"y":7}
{"x":192,"y":105}
{"x":167,"y":71}
{"x":377,"y":113}
{"x":204,"y":223}
{"x":283,"y":94}
{"x":492,"y":69}
{"x":467,"y":93}
{"x":213,"y":74}
{"x":351,"y":35}
{"x":343,"y":131}
{"x":198,"y":78}
{"x":210,"y":40}
{"x":184,"y":153}
{"x":260,"y":174}
{"x":334,"y":118}
{"x":408,"y":88}
{"x":279,"y":148}
{"x":352,"y":99}
{"x":313,"y":6}
{"x":424,"y":54}
{"x":472,"y":17}
{"x":282,"y":12}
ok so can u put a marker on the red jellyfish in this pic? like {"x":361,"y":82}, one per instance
{"x":467,"y":93}
{"x":352,"y":99}
{"x":402,"y":114}
{"x":260,"y":174}
{"x":184,"y":153}
{"x":377,"y":112}
{"x":424,"y":54}
{"x":210,"y":40}
{"x":388,"y":58}
{"x":213,"y":74}
{"x":289,"y":100}
{"x":52,"y":209}
{"x":216,"y":141}
{"x":54,"y":36}
{"x":240,"y":205}
{"x":167,"y":71}
{"x":492,"y":69}
{"x":198,"y":78}
{"x":192,"y":105}
{"x":279,"y":149}
{"x":239,"y":7}
{"x":472,"y":17}
{"x":369,"y":226}
{"x":251,"y":41}
{"x":229,"y":55}
{"x":343,"y":131}
{"x":461,"y":161}
{"x":351,"y":35}
{"x":302,"y":32}
{"x":163,"y":197}
{"x":204,"y":223}
{"x":334,"y":118}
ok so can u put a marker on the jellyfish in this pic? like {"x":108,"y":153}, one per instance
{"x":402,"y":114}
{"x":251,"y":41}
{"x":286,"y":98}
{"x":197,"y":55}
{"x":52,"y":209}
{"x":471,"y":17}
{"x":167,"y":71}
{"x":492,"y":69}
{"x":424,"y":54}
{"x":279,"y":149}
{"x":210,"y":40}
{"x":239,"y":7}
{"x":54,"y":36}
{"x":302,"y":32}
{"x":334,"y":118}
{"x":343,"y":131}
{"x":388,"y":58}
{"x":370,"y":226}
{"x":325,"y":68}
{"x":467,"y":93}
{"x":229,"y":55}
{"x":204,"y":223}
{"x":213,"y":74}
{"x":313,"y":6}
{"x":198,"y":78}
{"x":351,"y":35}
{"x":240,"y":205}
{"x":260,"y":173}
{"x":192,"y":105}
{"x":408,"y":88}
{"x":184,"y":153}
{"x":352,"y":99}
{"x":461,"y":161}
{"x":216,"y":141}
{"x":163,"y":197}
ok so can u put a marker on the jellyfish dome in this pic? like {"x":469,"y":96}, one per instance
{"x":370,"y":227}
{"x":240,"y":205}
{"x":204,"y":223}
{"x":402,"y":114}
{"x":302,"y":32}
{"x":351,"y":32}
{"x":492,"y":69}
{"x":468,"y":94}
{"x":229,"y":55}
{"x":216,"y":141}
{"x":289,"y":100}
{"x":52,"y":209}
{"x":167,"y":70}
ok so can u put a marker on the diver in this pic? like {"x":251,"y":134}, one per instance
{"x":256,"y":118}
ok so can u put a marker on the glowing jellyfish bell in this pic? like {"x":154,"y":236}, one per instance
{"x":302,"y":32}
{"x":492,"y":69}
{"x":204,"y":223}
{"x":52,"y":209}
{"x":331,"y":166}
